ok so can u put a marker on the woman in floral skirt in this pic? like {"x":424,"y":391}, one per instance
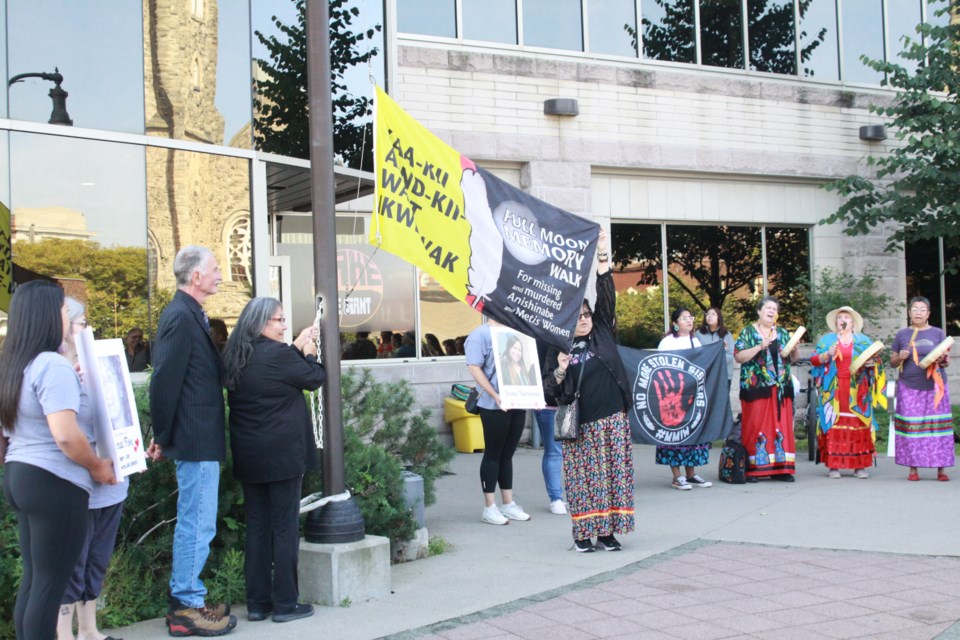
{"x":598,"y":465}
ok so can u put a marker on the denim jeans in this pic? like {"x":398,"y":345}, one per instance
{"x":552,"y":463}
{"x":199,"y":483}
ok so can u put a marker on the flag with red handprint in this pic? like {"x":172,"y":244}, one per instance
{"x":679,"y":397}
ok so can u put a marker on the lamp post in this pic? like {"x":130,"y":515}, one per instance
{"x":59,"y":114}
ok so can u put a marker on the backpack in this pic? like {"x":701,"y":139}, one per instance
{"x":733,"y":462}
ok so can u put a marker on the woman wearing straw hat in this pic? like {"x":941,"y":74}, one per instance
{"x":846,"y":428}
{"x":922,"y":420}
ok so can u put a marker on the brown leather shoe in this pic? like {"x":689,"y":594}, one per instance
{"x":202,"y":622}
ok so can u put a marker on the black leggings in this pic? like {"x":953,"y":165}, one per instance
{"x":501,"y":434}
{"x":52,"y":517}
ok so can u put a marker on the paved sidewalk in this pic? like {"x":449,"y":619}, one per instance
{"x":708,"y":591}
{"x":818,"y":558}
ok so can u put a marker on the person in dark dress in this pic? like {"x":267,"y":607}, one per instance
{"x":271,"y":438}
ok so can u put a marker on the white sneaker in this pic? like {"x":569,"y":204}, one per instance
{"x":514,"y":511}
{"x":680,"y":483}
{"x":556,"y":507}
{"x":492,"y":515}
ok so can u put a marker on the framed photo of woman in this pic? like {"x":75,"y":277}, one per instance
{"x":518,"y":369}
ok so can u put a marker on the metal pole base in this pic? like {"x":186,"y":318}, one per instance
{"x":334,"y":523}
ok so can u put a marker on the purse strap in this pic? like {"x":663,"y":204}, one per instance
{"x":583,"y":365}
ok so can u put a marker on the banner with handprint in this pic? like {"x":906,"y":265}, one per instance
{"x":679,"y":397}
{"x":517,"y":259}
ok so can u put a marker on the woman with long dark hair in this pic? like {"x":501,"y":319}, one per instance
{"x":271,"y":439}
{"x":689,"y":456}
{"x":512,"y":363}
{"x":713,"y":330}
{"x":47,"y":446}
{"x":502,"y":429}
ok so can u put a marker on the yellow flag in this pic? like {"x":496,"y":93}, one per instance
{"x":517,"y":259}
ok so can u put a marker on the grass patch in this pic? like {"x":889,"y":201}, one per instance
{"x":438,"y":545}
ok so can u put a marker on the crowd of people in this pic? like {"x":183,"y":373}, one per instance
{"x":595,"y":470}
{"x":392,"y":344}
{"x":68,"y":500}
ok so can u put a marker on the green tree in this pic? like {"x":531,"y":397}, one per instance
{"x":917,"y":184}
{"x":834,"y":289}
{"x":282,"y":125}
{"x":115,"y":277}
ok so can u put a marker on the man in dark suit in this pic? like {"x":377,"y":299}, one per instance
{"x":186,"y":407}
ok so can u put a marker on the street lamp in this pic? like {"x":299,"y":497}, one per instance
{"x":59,"y":114}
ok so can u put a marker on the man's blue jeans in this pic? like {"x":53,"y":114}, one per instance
{"x":552,"y":463}
{"x":199,"y":483}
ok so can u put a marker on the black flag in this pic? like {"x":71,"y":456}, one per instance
{"x":679,"y":397}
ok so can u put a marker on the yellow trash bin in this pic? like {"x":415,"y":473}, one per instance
{"x":467,"y":430}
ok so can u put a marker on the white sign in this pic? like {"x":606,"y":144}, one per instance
{"x":518,"y":369}
{"x":103,"y":365}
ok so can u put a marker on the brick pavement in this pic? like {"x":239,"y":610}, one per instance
{"x":711,"y":591}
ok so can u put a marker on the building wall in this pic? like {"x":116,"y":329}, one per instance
{"x":657,"y":143}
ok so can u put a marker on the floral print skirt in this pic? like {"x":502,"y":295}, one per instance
{"x":598,"y":477}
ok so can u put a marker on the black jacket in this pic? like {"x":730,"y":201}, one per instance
{"x":271,"y":432}
{"x":186,"y":390}
{"x":602,"y":342}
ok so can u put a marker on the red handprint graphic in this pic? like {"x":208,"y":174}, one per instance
{"x":670,"y":394}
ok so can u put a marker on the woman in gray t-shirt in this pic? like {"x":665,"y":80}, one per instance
{"x":50,"y":463}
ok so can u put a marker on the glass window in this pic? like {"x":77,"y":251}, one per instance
{"x":6,"y":250}
{"x":707,"y":266}
{"x":442,"y":318}
{"x":490,"y":20}
{"x":98,"y":49}
{"x":862,"y":36}
{"x":555,"y":24}
{"x":922,"y":261}
{"x":773,"y":45}
{"x":788,"y":270}
{"x":232,"y":81}
{"x":668,"y":30}
{"x":951,"y":253}
{"x":281,"y":125}
{"x":427,"y":17}
{"x":204,"y":96}
{"x":925,"y":276}
{"x":721,"y":33}
{"x":637,"y":256}
{"x":613,"y":26}
{"x":903,"y":18}
{"x":79,"y":216}
{"x":715,"y":266}
{"x":819,"y":53}
{"x":3,"y":59}
{"x":203,"y":199}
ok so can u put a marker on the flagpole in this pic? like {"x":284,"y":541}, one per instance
{"x":336,"y":522}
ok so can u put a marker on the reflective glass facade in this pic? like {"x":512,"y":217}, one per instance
{"x":750,"y":35}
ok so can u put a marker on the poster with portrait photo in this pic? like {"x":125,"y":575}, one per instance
{"x":518,"y":369}
{"x":107,"y":382}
